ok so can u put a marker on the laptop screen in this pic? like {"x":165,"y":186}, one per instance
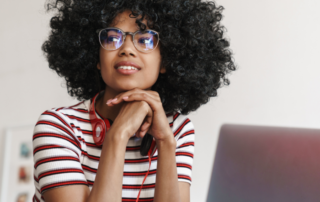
{"x":266,"y":164}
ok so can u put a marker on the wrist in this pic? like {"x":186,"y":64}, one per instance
{"x":168,"y":142}
{"x":117,"y":134}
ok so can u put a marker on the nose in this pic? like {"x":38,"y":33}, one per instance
{"x":128,"y":47}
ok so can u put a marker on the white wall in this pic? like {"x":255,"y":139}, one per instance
{"x":276,"y":47}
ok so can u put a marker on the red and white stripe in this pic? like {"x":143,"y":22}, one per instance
{"x":65,"y":154}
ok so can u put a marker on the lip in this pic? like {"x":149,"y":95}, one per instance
{"x":127,"y":63}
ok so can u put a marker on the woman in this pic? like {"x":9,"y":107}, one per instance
{"x":139,"y":67}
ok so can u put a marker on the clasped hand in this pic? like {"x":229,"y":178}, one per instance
{"x":142,"y":112}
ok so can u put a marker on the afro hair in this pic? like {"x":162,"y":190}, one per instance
{"x":193,"y":47}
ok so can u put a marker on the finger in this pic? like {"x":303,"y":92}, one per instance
{"x":139,"y":130}
{"x":119,"y":98}
{"x":115,"y":101}
{"x":142,"y":134}
{"x":146,"y":125}
{"x":111,"y":102}
{"x":152,"y":93}
{"x":138,"y":133}
{"x":153,"y":103}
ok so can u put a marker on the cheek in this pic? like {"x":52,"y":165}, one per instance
{"x":106,"y":71}
{"x":106,"y":62}
{"x":105,"y":59}
{"x":155,"y":59}
{"x":152,"y":72}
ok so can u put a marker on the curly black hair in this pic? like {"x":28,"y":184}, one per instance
{"x":193,"y":47}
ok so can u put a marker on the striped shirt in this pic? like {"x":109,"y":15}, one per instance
{"x":64,"y":153}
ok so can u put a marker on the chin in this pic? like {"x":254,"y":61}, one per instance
{"x":123,"y":85}
{"x":131,"y":87}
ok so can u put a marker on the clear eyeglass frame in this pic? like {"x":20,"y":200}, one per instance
{"x":98,"y":31}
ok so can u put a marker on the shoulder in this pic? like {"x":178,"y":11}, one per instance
{"x":66,"y":120}
{"x":62,"y":126}
{"x":78,"y":108}
{"x":77,"y":111}
{"x":180,"y":124}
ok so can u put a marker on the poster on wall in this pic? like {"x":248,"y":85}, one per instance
{"x":17,"y":171}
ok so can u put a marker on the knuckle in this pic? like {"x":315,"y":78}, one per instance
{"x":144,"y":104}
{"x":159,"y":105}
{"x":144,"y":95}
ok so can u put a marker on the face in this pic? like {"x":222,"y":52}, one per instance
{"x":148,"y":63}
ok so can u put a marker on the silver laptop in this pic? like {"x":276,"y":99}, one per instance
{"x":266,"y":164}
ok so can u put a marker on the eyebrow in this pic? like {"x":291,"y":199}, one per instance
{"x":137,"y":26}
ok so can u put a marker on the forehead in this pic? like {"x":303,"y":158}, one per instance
{"x":125,"y":21}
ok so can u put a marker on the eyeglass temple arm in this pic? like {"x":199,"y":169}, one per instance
{"x":98,"y":30}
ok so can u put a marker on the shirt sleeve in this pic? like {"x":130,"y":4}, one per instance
{"x":56,"y":153}
{"x":184,"y":134}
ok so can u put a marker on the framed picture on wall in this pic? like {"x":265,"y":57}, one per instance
{"x":17,"y":172}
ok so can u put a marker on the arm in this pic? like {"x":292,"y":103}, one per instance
{"x":167,"y":187}
{"x":109,"y":175}
{"x":108,"y":182}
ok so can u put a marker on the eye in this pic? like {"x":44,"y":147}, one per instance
{"x":112,"y":39}
{"x":145,"y":40}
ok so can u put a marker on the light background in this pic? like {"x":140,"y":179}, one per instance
{"x":11,"y":184}
{"x":275,"y":45}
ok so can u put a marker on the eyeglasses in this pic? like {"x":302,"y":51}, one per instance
{"x":112,"y":38}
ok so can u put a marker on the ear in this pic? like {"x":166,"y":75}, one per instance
{"x":98,"y":66}
{"x":162,"y":70}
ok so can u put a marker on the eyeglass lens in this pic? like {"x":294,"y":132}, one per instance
{"x":112,"y":39}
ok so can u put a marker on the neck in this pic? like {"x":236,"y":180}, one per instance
{"x":103,"y":109}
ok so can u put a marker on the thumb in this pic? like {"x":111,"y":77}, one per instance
{"x":146,"y":124}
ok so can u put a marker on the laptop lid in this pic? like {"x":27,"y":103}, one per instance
{"x":266,"y":164}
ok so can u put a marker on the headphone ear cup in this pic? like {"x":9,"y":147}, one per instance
{"x":146,"y":144}
{"x":98,"y":132}
{"x":99,"y":127}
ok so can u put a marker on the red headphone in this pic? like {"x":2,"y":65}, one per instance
{"x":100,"y":128}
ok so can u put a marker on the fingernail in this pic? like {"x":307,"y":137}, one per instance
{"x":108,"y":102}
{"x":125,"y":97}
{"x":114,"y":99}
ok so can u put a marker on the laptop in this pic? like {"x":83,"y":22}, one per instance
{"x":266,"y":164}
